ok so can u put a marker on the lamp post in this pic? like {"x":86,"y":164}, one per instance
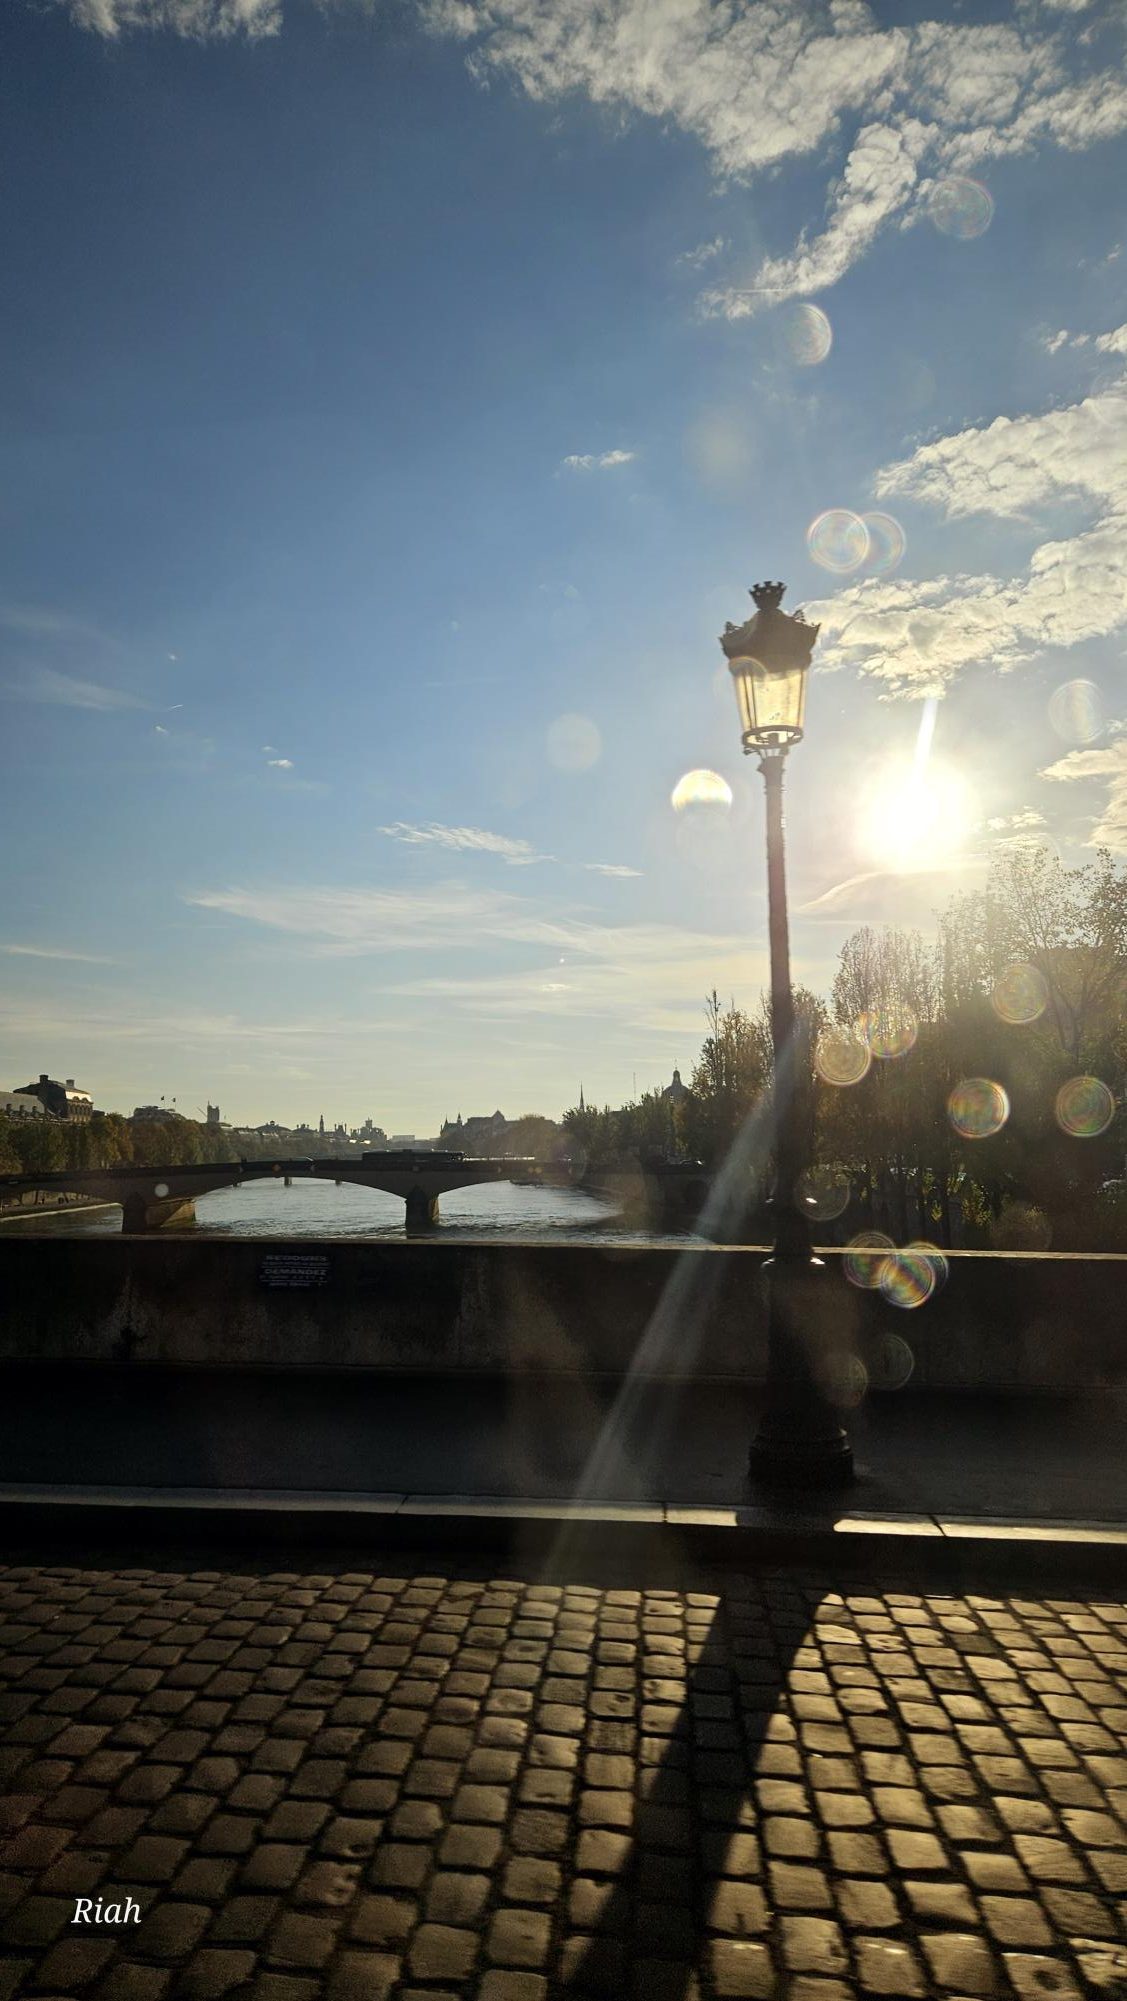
{"x":800,"y":1440}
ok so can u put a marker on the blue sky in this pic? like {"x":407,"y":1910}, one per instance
{"x":396,"y":404}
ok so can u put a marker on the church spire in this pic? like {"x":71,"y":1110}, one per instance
{"x":582,"y":1106}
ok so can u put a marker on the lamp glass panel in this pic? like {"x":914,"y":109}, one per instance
{"x":770,"y":699}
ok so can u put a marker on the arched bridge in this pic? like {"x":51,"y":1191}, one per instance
{"x":152,"y":1197}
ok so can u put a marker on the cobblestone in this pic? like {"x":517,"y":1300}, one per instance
{"x":431,"y":1787}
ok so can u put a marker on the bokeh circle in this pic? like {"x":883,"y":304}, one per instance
{"x":891,"y":1364}
{"x":1085,"y":1107}
{"x":864,"y":1258}
{"x":1076,"y":711}
{"x":838,"y":540}
{"x":1021,"y":993}
{"x":888,"y":1030}
{"x":887,"y":543}
{"x":701,"y":789}
{"x":978,"y":1108}
{"x":805,"y":334}
{"x":841,"y":1058}
{"x":845,"y":1380}
{"x":822,"y":1193}
{"x":961,"y":207}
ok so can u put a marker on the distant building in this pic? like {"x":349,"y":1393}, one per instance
{"x":404,"y":1139}
{"x":213,"y":1117}
{"x":466,"y":1134}
{"x":676,"y":1090}
{"x":64,"y":1101}
{"x":21,"y":1105}
{"x":156,"y":1115}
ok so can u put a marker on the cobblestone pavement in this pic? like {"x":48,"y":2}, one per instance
{"x":376,"y":1785}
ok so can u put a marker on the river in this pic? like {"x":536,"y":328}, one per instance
{"x":492,"y":1210}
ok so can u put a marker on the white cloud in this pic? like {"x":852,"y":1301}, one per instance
{"x":466,"y":840}
{"x":635,"y":973}
{"x":280,"y":763}
{"x":45,"y":684}
{"x":1016,"y":822}
{"x":703,"y":254}
{"x":878,"y":177}
{"x":1109,"y":830}
{"x":1017,"y":463}
{"x":916,"y":637}
{"x":612,"y":868}
{"x":198,"y":20}
{"x":595,"y":461}
{"x":762,"y":85}
{"x":52,"y":952}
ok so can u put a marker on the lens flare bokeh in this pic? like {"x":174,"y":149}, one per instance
{"x":845,"y":1380}
{"x":1020,"y":994}
{"x":1076,"y":711}
{"x":838,"y":540}
{"x":887,"y":543}
{"x":841,"y":1058}
{"x":574,"y":743}
{"x":919,"y":1247}
{"x":805,"y":334}
{"x":906,"y":1280}
{"x":891,"y":1364}
{"x":1085,"y":1107}
{"x":978,"y":1108}
{"x":961,"y":207}
{"x":864,"y":1259}
{"x":909,"y":1277}
{"x":699,"y":789}
{"x":889,"y":1030}
{"x":822,"y":1193}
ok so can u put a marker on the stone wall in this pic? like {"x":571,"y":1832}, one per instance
{"x":1003,"y":1320}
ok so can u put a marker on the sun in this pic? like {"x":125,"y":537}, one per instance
{"x":912,"y":816}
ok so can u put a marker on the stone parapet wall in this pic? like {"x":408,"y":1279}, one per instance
{"x":1003,"y":1320}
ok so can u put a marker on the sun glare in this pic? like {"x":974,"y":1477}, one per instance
{"x":911,"y":817}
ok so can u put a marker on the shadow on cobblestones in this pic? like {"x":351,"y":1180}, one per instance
{"x":649,"y":1873}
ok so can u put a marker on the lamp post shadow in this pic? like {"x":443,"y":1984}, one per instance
{"x":670,"y":1896}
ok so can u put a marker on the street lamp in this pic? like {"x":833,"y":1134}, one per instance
{"x":800,"y":1440}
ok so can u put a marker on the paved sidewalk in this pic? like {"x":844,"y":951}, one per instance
{"x":936,"y":1452}
{"x":376,"y":1783}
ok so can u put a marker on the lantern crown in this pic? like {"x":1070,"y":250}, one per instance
{"x":769,"y":658}
{"x":777,"y":640}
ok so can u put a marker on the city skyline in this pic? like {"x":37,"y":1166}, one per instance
{"x":385,"y":453}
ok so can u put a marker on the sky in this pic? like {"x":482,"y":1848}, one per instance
{"x":398,"y":400}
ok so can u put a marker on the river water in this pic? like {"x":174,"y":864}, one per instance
{"x":491,"y":1210}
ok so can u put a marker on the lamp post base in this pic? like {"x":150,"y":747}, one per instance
{"x":779,"y":1459}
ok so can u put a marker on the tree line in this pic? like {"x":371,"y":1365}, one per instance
{"x":1023,"y":987}
{"x":107,"y":1139}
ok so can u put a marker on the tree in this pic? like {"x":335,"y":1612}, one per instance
{"x":1070,"y":924}
{"x":730,"y":1075}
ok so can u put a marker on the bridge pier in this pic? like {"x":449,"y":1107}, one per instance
{"x":140,"y":1216}
{"x":422,"y":1209}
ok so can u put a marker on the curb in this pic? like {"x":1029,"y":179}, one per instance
{"x":745,"y":1534}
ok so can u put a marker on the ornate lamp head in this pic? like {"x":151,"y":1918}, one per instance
{"x":769,"y":658}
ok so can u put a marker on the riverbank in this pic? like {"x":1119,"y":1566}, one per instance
{"x":25,"y":1209}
